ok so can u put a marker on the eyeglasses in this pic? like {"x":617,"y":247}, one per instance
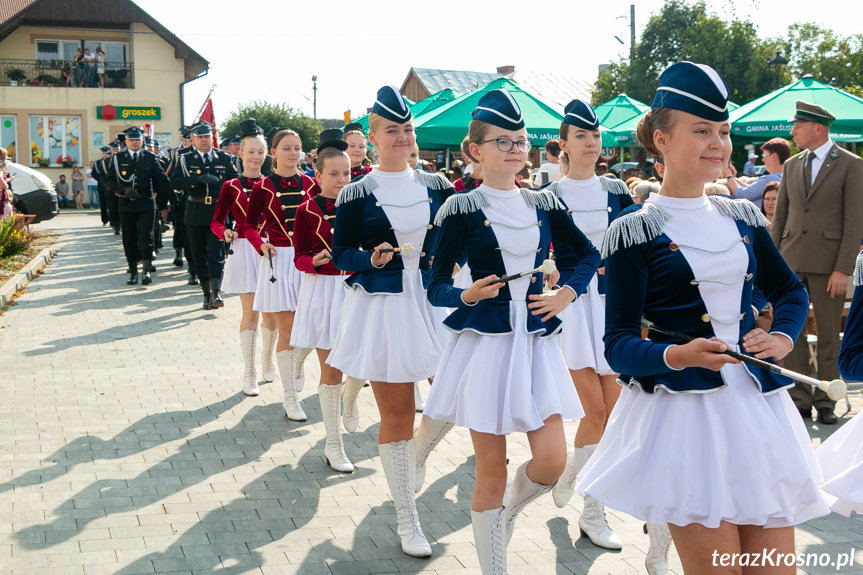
{"x":505,"y":144}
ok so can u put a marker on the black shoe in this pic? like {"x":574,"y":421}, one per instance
{"x":193,"y":279}
{"x":133,"y":279}
{"x":178,"y":260}
{"x":207,"y":295}
{"x":826,"y":416}
{"x":147,"y":280}
{"x":806,"y":414}
{"x":152,"y":268}
{"x":216,"y":301}
{"x":116,"y":231}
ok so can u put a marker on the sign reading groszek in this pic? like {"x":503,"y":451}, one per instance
{"x":127,"y":113}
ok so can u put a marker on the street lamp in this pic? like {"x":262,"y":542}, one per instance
{"x":778,"y":61}
{"x":315,"y":103}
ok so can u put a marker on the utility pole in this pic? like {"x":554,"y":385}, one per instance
{"x":315,"y":90}
{"x":631,"y":34}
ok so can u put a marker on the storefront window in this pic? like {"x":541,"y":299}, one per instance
{"x":54,"y":140}
{"x":8,"y":125}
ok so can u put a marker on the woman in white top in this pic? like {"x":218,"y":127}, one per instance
{"x":387,"y":333}
{"x":593,"y":203}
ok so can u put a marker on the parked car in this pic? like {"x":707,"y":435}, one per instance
{"x":34,"y":193}
{"x":631,"y":165}
{"x":760,"y":170}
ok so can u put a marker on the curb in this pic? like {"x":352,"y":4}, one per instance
{"x":27,"y":273}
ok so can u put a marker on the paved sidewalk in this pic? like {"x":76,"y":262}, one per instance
{"x":128,"y":448}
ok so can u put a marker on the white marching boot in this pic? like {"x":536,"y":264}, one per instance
{"x":397,"y":459}
{"x":594,"y":525}
{"x":291,"y":402}
{"x":575,"y":461}
{"x":419,"y":402}
{"x":429,"y":434}
{"x":330,"y":397}
{"x":518,"y":494}
{"x":250,"y":378}
{"x":657,"y":555}
{"x":351,"y":404}
{"x":268,"y":366}
{"x":489,"y":535}
{"x":300,"y":355}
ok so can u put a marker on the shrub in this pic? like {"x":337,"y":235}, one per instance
{"x":14,"y":237}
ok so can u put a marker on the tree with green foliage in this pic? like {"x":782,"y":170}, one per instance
{"x":829,"y":58}
{"x":269,"y":116}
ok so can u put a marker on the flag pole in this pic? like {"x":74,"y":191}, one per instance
{"x":204,"y":105}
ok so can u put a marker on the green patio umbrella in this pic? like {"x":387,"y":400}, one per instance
{"x":767,"y":117}
{"x":447,"y":126}
{"x":433,"y":102}
{"x":615,"y":112}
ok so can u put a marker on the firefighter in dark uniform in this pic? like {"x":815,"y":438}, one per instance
{"x":143,"y":186}
{"x":99,"y":175}
{"x":113,"y":200}
{"x":201,"y":173}
{"x":178,"y":208}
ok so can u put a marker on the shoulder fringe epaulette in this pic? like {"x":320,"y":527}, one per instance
{"x":435,"y":181}
{"x":542,"y":199}
{"x":613,"y":186}
{"x":463,"y":203}
{"x":638,"y":227}
{"x":553,"y":187}
{"x":858,"y":271}
{"x":739,"y":209}
{"x":358,"y":188}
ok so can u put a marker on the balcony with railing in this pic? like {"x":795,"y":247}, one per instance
{"x":61,"y":74}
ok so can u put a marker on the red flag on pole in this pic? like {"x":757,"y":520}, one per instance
{"x":208,"y":116}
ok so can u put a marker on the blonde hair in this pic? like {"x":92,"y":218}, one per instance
{"x":258,"y":137}
{"x":656,"y":119}
{"x":375,"y":122}
{"x":277,"y":139}
{"x":355,"y":133}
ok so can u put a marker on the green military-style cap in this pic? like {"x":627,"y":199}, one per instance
{"x":807,"y":112}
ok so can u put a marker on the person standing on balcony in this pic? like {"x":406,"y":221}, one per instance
{"x":78,"y":67}
{"x":89,"y":67}
{"x":100,"y":66}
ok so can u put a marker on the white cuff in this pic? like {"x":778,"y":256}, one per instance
{"x":665,"y":358}
{"x":786,"y":335}
{"x":373,"y":263}
{"x":461,"y":297}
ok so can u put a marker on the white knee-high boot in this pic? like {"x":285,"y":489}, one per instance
{"x":489,"y":535}
{"x":429,"y":434}
{"x":330,"y":397}
{"x":397,"y":459}
{"x":657,"y":555}
{"x":300,"y":354}
{"x":268,"y":366}
{"x":250,"y":378}
{"x":291,"y":402}
{"x":593,"y":523}
{"x":518,"y":494}
{"x":419,"y":402}
{"x":575,"y":461}
{"x":350,"y":403}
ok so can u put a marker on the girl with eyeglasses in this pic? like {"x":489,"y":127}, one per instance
{"x":388,"y":333}
{"x":502,"y":371}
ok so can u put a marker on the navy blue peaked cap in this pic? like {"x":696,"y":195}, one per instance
{"x":134,"y":133}
{"x":693,"y":88}
{"x":579,"y":113}
{"x":500,"y":109}
{"x":202,"y":128}
{"x":390,"y":105}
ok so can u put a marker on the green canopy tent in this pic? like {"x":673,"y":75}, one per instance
{"x":767,"y":117}
{"x":433,"y":102}
{"x":446,"y":127}
{"x":615,"y":112}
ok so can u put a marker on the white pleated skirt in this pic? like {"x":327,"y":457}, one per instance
{"x":388,"y":337}
{"x":583,"y":328}
{"x":241,"y":268}
{"x":318,"y":311}
{"x":732,"y":455}
{"x":282,"y":294}
{"x":502,"y":383}
{"x":841,"y":459}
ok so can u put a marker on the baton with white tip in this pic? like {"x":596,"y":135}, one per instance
{"x":835,"y":389}
{"x":406,"y":249}
{"x":547,"y":268}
